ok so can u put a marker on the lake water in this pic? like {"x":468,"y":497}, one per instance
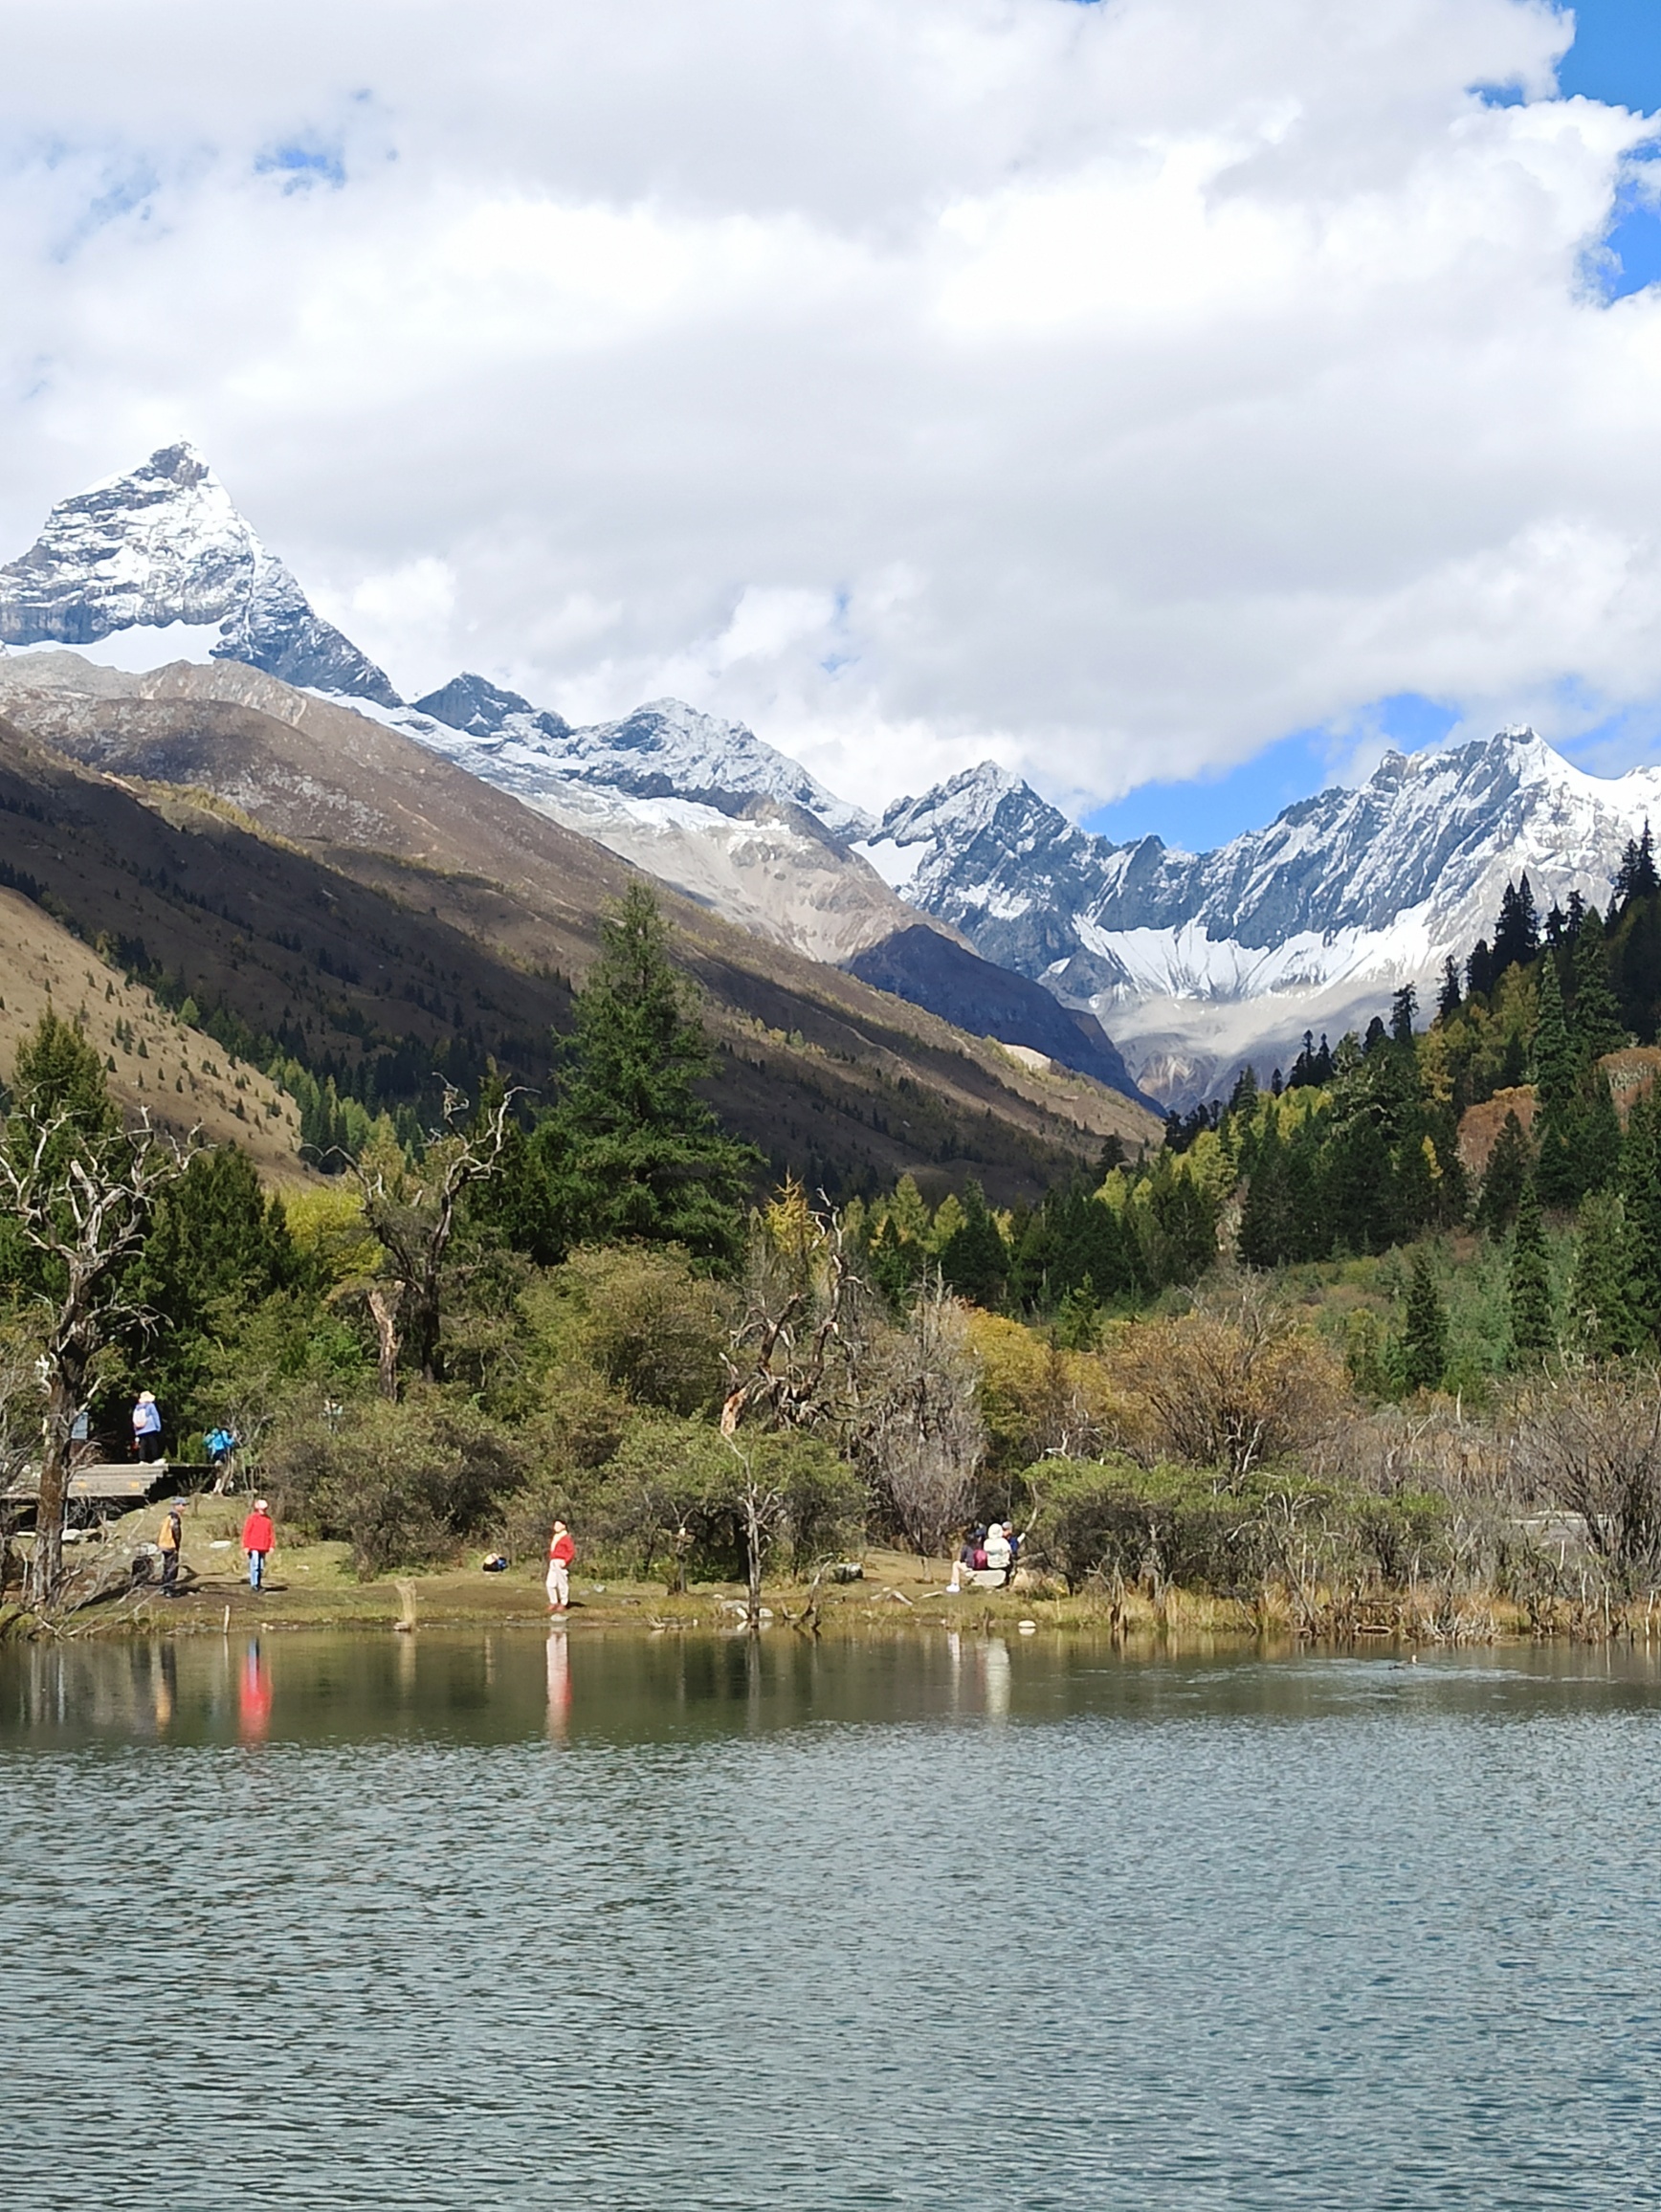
{"x":492,"y":1921}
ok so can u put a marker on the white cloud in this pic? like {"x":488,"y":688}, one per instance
{"x":1107,"y":389}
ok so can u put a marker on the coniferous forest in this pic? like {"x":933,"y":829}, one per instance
{"x":1386,"y":1322}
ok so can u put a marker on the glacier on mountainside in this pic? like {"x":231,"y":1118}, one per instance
{"x":1196,"y":962}
{"x":700,"y":803}
{"x":166,"y":545}
{"x":662,"y":750}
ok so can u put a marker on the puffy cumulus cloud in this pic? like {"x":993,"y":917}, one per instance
{"x":1108,"y":388}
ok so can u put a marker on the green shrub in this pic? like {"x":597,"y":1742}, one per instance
{"x":405,"y":1485}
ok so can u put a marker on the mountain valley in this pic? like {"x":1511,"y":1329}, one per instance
{"x":364,"y":903}
{"x":1141,"y":967}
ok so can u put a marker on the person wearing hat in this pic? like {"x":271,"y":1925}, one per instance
{"x":147,"y":1427}
{"x":259,"y":1541}
{"x":170,"y":1542}
{"x":562,"y":1551}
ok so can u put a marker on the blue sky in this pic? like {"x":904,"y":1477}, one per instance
{"x":1616,"y":58}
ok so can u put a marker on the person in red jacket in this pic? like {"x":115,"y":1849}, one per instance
{"x":258,"y":1540}
{"x":562,"y":1551}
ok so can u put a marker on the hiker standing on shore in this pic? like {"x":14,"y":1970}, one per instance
{"x":562,"y":1551}
{"x":147,"y":1427}
{"x":170,"y":1542}
{"x":259,"y":1541}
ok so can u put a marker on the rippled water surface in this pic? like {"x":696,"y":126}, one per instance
{"x":485,"y":1922}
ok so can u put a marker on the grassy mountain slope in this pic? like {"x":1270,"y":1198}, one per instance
{"x":333,"y":883}
{"x":156,"y":1064}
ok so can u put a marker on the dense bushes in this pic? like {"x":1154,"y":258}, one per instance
{"x":1116,"y":1520}
{"x":400,"y":1483}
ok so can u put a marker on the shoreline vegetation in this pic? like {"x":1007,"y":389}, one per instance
{"x":1371,"y":1352}
{"x":315,"y":1584}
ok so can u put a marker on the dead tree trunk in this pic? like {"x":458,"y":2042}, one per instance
{"x":411,"y":1213}
{"x":86,"y":1211}
{"x":385,"y":1302}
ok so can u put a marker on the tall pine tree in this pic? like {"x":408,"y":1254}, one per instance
{"x":638,"y":1156}
{"x":1557,"y":1175}
{"x":1533,"y":1322}
{"x":1600,"y":1295}
{"x":1424,"y":1338}
{"x":1596,"y":1024}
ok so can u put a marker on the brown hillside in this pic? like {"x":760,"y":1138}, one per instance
{"x":156,"y":1064}
{"x":1631,"y":1071}
{"x":309,"y":866}
{"x":1480,"y":1125}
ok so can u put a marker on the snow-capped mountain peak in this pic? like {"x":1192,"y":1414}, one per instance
{"x":164,"y":545}
{"x":664,"y":750}
{"x":1195,"y":960}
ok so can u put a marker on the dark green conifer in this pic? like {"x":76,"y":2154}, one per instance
{"x":1596,"y":1026}
{"x":1424,"y":1338}
{"x":1597,"y":1134}
{"x":1600,"y":1297}
{"x":1264,"y":1231}
{"x":639,"y":1156}
{"x":1641,"y":1208}
{"x":975,"y":1261}
{"x":1557,"y":1174}
{"x":1533,"y":1322}
{"x":1516,"y":933}
{"x":1509,"y":1165}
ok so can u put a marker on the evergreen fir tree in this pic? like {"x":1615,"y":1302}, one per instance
{"x":641,"y":1156}
{"x":1078,"y":1317}
{"x":1596,"y":1024}
{"x":1265,"y":1228}
{"x":1509,"y":1166}
{"x":1636,"y":968}
{"x":1557,"y":1174}
{"x":1403,"y":1008}
{"x":1448,"y":999}
{"x":1533,"y":1329}
{"x":1516,"y":932}
{"x":1597,"y":1134}
{"x":1425,"y":1339}
{"x":1600,"y":1297}
{"x":1515,"y":929}
{"x":1479,"y":969}
{"x":1641,"y":1208}
{"x":1636,"y":878}
{"x":974,"y":1260}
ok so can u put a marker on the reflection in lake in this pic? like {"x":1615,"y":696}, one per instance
{"x":495,"y":1921}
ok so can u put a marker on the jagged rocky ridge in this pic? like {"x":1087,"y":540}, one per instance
{"x":1192,"y":961}
{"x":166,"y":545}
{"x":1198,"y":961}
{"x":699,"y":801}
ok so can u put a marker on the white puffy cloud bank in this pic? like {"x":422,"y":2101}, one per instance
{"x":1108,"y":388}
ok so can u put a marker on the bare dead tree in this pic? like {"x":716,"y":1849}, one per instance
{"x":794,"y":1355}
{"x":924,"y":1436}
{"x":411,"y":1214}
{"x":1232,"y":1384}
{"x":1591,"y":1443}
{"x":85,"y":1210}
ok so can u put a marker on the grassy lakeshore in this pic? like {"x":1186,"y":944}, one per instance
{"x":312,"y":1584}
